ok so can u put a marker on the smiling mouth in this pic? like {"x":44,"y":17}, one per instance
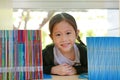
{"x":65,"y":45}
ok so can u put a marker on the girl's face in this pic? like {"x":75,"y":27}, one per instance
{"x":64,"y":36}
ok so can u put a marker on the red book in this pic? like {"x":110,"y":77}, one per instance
{"x":25,"y":38}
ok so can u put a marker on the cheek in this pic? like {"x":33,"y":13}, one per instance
{"x":55,"y":40}
{"x":73,"y":38}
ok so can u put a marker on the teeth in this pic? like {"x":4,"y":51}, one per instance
{"x":65,"y":44}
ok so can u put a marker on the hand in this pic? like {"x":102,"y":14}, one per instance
{"x":72,"y":71}
{"x":63,"y":69}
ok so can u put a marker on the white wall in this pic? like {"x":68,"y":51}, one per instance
{"x":113,"y":19}
{"x":6,"y":15}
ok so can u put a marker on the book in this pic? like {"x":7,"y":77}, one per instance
{"x":103,"y":58}
{"x":20,"y":55}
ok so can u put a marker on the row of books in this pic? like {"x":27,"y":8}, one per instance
{"x":20,"y":55}
{"x":103,"y":58}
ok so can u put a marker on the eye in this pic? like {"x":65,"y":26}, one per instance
{"x":57,"y":34}
{"x":68,"y":33}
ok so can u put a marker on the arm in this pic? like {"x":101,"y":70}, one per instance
{"x":48,"y":59}
{"x":63,"y":69}
{"x":83,"y":59}
{"x":50,"y":68}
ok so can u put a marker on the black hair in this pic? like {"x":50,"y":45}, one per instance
{"x":66,"y":17}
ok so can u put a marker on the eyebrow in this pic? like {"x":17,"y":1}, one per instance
{"x":65,"y":31}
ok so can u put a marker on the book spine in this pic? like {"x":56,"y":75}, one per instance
{"x":10,"y":53}
{"x":30,"y":51}
{"x":40,"y":55}
{"x":0,"y":54}
{"x":16,"y":75}
{"x":20,"y":55}
{"x":26,"y":55}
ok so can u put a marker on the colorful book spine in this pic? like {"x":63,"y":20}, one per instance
{"x":16,"y":73}
{"x":26,"y":54}
{"x":11,"y":53}
{"x":20,"y":55}
{"x":21,"y":52}
{"x":33,"y":54}
{"x":30,"y":51}
{"x":0,"y":54}
{"x":4,"y":55}
{"x":40,"y":55}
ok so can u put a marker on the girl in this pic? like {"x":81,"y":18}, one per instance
{"x":64,"y":56}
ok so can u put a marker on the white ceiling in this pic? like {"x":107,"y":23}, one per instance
{"x":65,"y":4}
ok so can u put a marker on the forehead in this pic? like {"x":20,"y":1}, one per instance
{"x":63,"y":25}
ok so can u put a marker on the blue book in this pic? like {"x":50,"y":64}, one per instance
{"x":47,"y":76}
{"x":4,"y":40}
{"x":103,"y":58}
{"x":21,"y":61}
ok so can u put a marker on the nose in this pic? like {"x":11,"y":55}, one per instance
{"x":64,"y":38}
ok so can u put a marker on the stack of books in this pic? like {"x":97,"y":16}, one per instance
{"x":20,"y":55}
{"x":103,"y":58}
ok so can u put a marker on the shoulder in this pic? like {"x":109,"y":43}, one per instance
{"x":49,"y":46}
{"x":81,"y":46}
{"x":47,"y":54}
{"x":48,"y":49}
{"x":83,"y":53}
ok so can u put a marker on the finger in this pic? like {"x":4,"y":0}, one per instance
{"x":65,"y":64}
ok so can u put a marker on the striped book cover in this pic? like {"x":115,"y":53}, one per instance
{"x":103,"y":58}
{"x":20,"y":55}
